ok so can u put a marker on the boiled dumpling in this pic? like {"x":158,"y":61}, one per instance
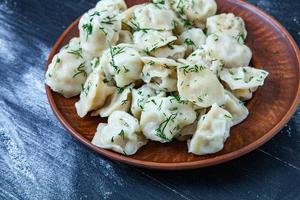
{"x":67,"y":71}
{"x":229,"y":24}
{"x":125,"y":37}
{"x":163,"y":117}
{"x":244,"y":94}
{"x":236,"y":108}
{"x":229,"y":50}
{"x":119,"y":101}
{"x":139,"y":97}
{"x":116,"y":5}
{"x":193,"y":39}
{"x":98,"y":31}
{"x":212,"y":132}
{"x":122,"y":63}
{"x":121,"y":134}
{"x":94,"y":93}
{"x":196,"y":11}
{"x":150,"y":17}
{"x":243,"y":77}
{"x":171,"y":51}
{"x":199,"y":85}
{"x":160,"y":73}
{"x":152,"y":40}
{"x":202,"y":57}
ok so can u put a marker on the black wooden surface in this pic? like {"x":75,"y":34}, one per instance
{"x":40,"y":160}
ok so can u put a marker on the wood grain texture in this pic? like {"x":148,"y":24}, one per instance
{"x":40,"y":160}
{"x":272,"y":105}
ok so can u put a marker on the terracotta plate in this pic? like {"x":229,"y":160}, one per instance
{"x":272,"y":105}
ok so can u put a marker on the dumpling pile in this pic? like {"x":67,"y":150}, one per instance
{"x":162,"y":71}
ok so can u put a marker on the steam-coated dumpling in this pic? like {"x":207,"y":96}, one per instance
{"x":243,"y":77}
{"x":199,"y":85}
{"x":116,"y":5}
{"x":163,"y":117}
{"x":229,"y":50}
{"x":229,"y":24}
{"x":212,"y":132}
{"x":236,"y":108}
{"x":160,"y":73}
{"x":94,"y":93}
{"x":122,"y":63}
{"x":202,"y":57}
{"x":152,"y":40}
{"x":67,"y":71}
{"x":119,"y":101}
{"x":193,"y":39}
{"x":195,"y":11}
{"x":121,"y":134}
{"x":171,"y":51}
{"x":150,"y":16}
{"x":99,"y":29}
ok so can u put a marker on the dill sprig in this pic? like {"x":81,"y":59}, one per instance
{"x":189,"y":42}
{"x":113,"y":52}
{"x":88,"y":28}
{"x":191,"y":69}
{"x":161,"y":129}
{"x":80,"y":70}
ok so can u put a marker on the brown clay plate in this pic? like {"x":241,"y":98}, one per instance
{"x":272,"y":105}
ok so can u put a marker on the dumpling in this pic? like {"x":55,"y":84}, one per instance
{"x":229,"y":50}
{"x":139,"y":98}
{"x":121,"y":134}
{"x":229,"y":24}
{"x":202,"y":57}
{"x":151,"y":40}
{"x":150,"y":16}
{"x":199,"y":85}
{"x":212,"y":132}
{"x":122,"y":63}
{"x":171,"y":51}
{"x":163,"y":117}
{"x":98,"y":31}
{"x":195,"y":11}
{"x":119,"y":101}
{"x":188,"y":131}
{"x":125,"y":37}
{"x":236,"y":108}
{"x":192,"y":39}
{"x":94,"y":93}
{"x":116,"y":5}
{"x":243,"y":77}
{"x":160,"y":73}
{"x":67,"y":71}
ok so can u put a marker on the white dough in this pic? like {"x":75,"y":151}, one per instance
{"x":163,"y":117}
{"x":160,"y":73}
{"x":121,"y":134}
{"x":122,"y":63}
{"x":199,"y":85}
{"x":228,"y":49}
{"x":212,"y":132}
{"x":67,"y":71}
{"x":94,"y":94}
{"x":243,"y":77}
{"x":227,"y":23}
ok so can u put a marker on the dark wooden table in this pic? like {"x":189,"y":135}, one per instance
{"x":40,"y":160}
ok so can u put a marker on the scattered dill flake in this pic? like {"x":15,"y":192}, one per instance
{"x":236,"y":79}
{"x":112,"y":140}
{"x":88,"y":28}
{"x":151,"y":62}
{"x":189,"y":42}
{"x":200,"y":99}
{"x":124,"y":102}
{"x":227,"y":116}
{"x":77,"y":52}
{"x":161,"y":128}
{"x":244,"y":70}
{"x":122,"y":134}
{"x":153,"y":101}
